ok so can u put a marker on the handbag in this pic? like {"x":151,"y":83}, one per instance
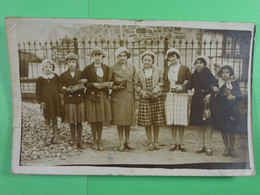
{"x":206,"y":113}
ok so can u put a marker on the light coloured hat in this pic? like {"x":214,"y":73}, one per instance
{"x":123,"y":49}
{"x":204,"y":57}
{"x":71,"y":56}
{"x":172,"y":50}
{"x":48,"y":61}
{"x":148,"y":53}
{"x":98,"y":50}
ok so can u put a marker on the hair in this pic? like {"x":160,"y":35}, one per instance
{"x":173,"y":53}
{"x":152,"y":56}
{"x":44,"y":62}
{"x":231,"y":71}
{"x":128,"y":54}
{"x":202,"y":60}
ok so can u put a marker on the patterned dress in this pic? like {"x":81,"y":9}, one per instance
{"x":150,"y":112}
{"x":176,"y":103}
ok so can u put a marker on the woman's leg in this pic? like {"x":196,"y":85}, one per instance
{"x":55,"y":131}
{"x":232,"y":137}
{"x":127,"y":137}
{"x":48,"y":131}
{"x":209,"y":132}
{"x":73,"y":135}
{"x":148,"y":131}
{"x":201,"y":132}
{"x":180,"y":129}
{"x":94,"y":134}
{"x":79,"y":132}
{"x":155,"y":136}
{"x":99,"y":130}
{"x":224,"y":135}
{"x":174,"y":141}
{"x":121,"y":138}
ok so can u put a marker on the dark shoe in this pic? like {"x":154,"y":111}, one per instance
{"x":81,"y":146}
{"x":173,"y":147}
{"x":209,"y":151}
{"x":74,"y":145}
{"x":121,"y":148}
{"x":128,"y":147}
{"x":156,"y":146}
{"x":226,"y":152}
{"x":200,"y":150}
{"x":100,"y":147}
{"x":54,"y":140}
{"x":233,"y":154}
{"x":150,"y":147}
{"x":48,"y":142}
{"x":94,"y":146}
{"x":182,"y":148}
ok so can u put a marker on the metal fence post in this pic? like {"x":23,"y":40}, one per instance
{"x":165,"y":50}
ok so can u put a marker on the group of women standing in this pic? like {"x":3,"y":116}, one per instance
{"x":101,"y":94}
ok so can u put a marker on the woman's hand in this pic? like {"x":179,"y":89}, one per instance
{"x":231,"y":97}
{"x":82,"y":81}
{"x":155,"y":90}
{"x":179,"y":88}
{"x":207,"y":98}
{"x":97,"y":85}
{"x":120,"y":86}
{"x":43,"y":105}
{"x":215,"y":89}
{"x":145,"y":94}
{"x":69,"y":89}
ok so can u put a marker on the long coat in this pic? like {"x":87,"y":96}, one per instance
{"x":202,"y":82}
{"x":226,"y":112}
{"x":47,"y":91}
{"x":89,"y":73}
{"x":98,"y":108}
{"x":122,"y":100}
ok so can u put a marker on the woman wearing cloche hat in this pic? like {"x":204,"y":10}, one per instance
{"x":204,"y":83}
{"x":176,"y":80}
{"x":151,"y":105}
{"x":98,"y":108}
{"x":122,"y":98}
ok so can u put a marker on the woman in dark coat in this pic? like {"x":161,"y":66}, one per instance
{"x":227,"y":117}
{"x":98,"y":109}
{"x":204,"y":84}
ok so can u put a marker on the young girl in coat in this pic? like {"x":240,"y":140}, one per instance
{"x":226,"y":113}
{"x":74,"y":108}
{"x":98,"y":109}
{"x":47,"y":93}
{"x":151,"y":105}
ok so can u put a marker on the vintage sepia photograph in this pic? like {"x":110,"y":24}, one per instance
{"x":131,"y":97}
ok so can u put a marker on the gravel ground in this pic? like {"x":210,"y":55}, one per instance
{"x":35,"y":152}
